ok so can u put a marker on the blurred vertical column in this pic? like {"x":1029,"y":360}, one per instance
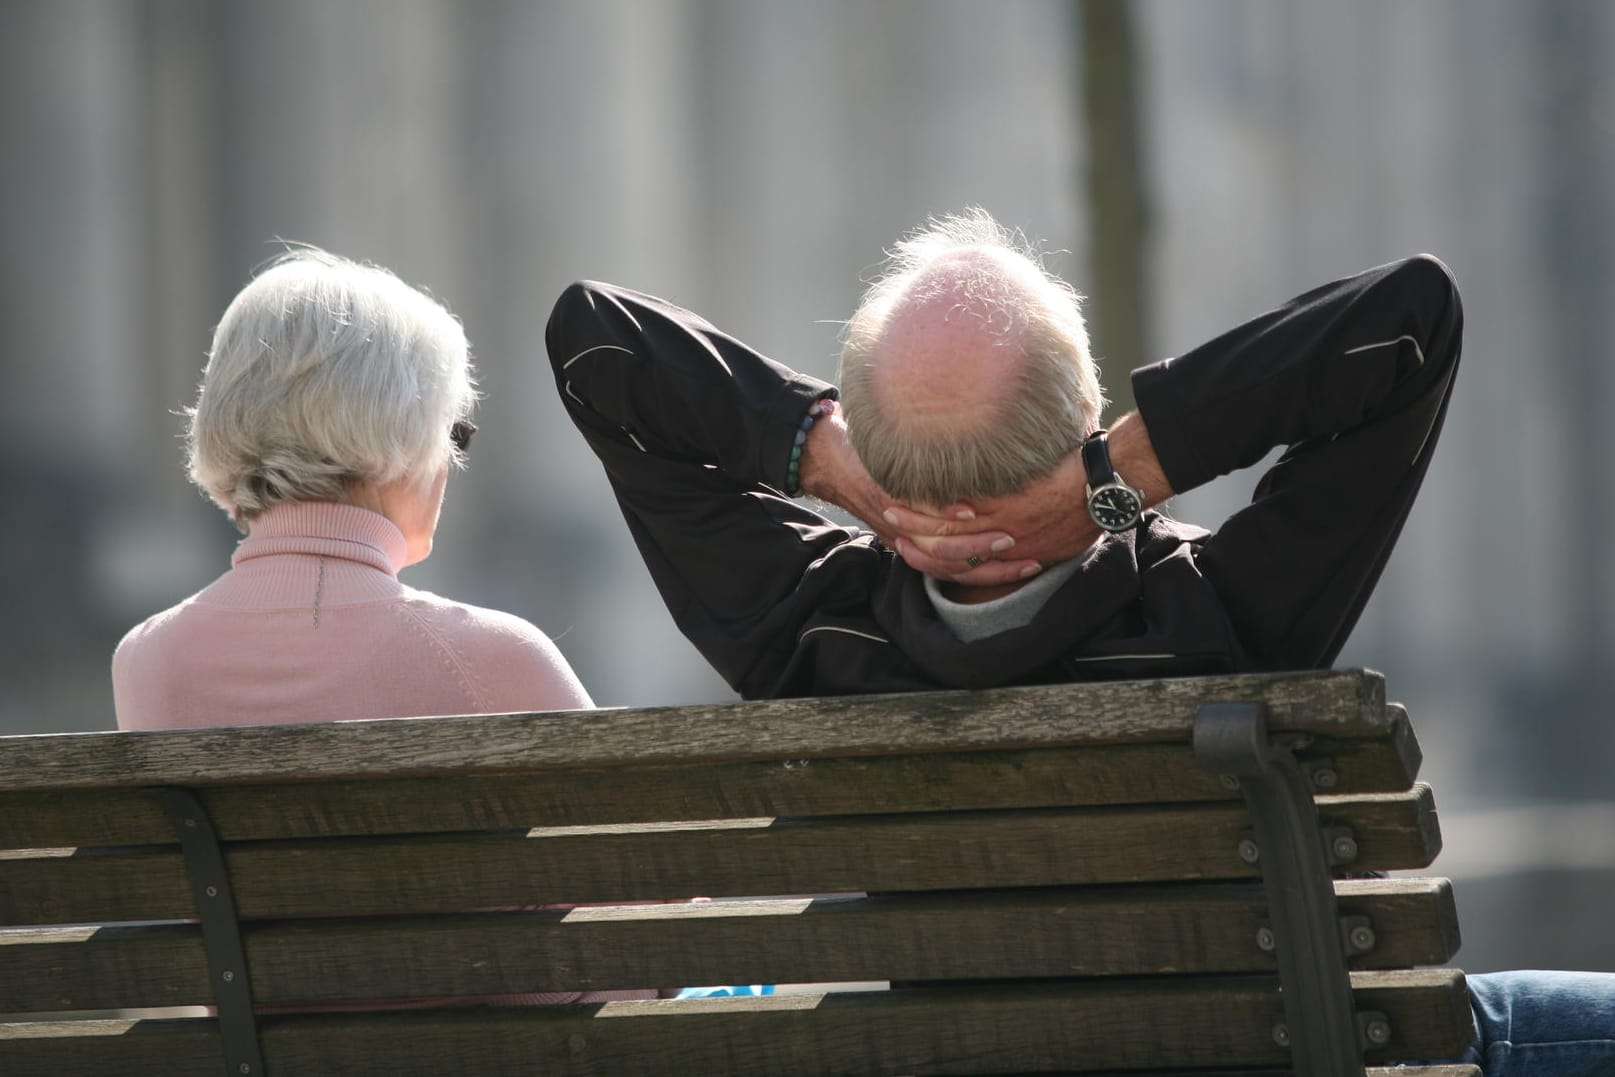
{"x":580,"y":125}
{"x":1574,"y":258}
{"x":1118,"y":195}
{"x":83,"y":424}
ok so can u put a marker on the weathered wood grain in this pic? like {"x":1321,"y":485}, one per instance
{"x":102,"y":968}
{"x":1268,"y":1071}
{"x":1424,"y":1024}
{"x":1021,"y":835}
{"x":1111,"y":774}
{"x":1110,"y":931}
{"x":387,"y":875}
{"x":1340,"y":703}
{"x":1079,"y":1027}
{"x":96,"y":1048}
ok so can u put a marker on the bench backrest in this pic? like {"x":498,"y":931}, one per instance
{"x":1053,"y":878}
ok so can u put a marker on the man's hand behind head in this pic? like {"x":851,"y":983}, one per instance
{"x":1047,"y":519}
{"x":832,"y":472}
{"x":1047,"y":522}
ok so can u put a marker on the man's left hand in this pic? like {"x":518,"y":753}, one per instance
{"x":832,"y":472}
{"x":1047,"y":521}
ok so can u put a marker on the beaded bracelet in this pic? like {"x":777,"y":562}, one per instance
{"x":793,"y":476}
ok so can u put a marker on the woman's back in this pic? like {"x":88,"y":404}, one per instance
{"x":312,"y":624}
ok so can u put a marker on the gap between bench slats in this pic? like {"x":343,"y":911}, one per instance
{"x":1020,"y":934}
{"x":940,"y":851}
{"x":1138,"y":1024}
{"x":1115,"y":774}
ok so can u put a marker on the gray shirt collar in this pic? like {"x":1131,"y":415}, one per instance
{"x":979,"y":620}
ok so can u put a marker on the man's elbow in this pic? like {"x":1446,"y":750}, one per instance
{"x":1429,"y":283}
{"x":576,"y":299}
{"x":574,"y":308}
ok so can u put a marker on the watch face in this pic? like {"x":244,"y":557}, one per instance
{"x":1115,"y":508}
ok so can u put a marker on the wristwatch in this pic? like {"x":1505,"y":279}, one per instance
{"x":1113,"y":504}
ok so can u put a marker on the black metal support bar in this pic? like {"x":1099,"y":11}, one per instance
{"x":1320,"y":1020}
{"x":221,"y":932}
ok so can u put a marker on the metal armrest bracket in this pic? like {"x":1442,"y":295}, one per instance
{"x":221,"y":931}
{"x":1320,"y":1021}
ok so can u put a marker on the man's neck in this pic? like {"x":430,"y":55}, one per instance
{"x":974,"y":613}
{"x":967,"y":595}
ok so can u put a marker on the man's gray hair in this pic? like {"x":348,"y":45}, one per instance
{"x":325,"y":375}
{"x":1055,"y":402}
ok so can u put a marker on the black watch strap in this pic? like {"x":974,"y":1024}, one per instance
{"x":1096,"y":459}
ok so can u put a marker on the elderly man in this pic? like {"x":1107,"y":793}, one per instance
{"x":1014,"y":542}
{"x":967,"y":390}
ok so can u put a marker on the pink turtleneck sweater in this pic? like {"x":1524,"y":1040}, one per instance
{"x":312,"y":624}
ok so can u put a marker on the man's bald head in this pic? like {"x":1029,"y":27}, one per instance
{"x":965,"y":371}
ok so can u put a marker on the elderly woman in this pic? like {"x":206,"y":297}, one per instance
{"x":335,"y":402}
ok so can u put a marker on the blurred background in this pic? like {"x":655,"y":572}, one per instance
{"x":1184,"y":164}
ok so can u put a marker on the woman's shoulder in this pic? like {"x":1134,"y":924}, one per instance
{"x":513,"y":659}
{"x":158,"y":630}
{"x":143,"y":659}
{"x":475,"y":622}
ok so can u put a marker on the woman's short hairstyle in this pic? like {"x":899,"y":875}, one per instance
{"x":1055,"y":403}
{"x":325,"y":375}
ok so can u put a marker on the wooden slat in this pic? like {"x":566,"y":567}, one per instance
{"x":1125,"y":931}
{"x":1415,"y":921}
{"x":364,"y":876}
{"x":1082,"y":1026}
{"x":1132,"y":773}
{"x":1425,"y":1025}
{"x":129,"y":1048}
{"x":46,"y":970}
{"x":1339,"y":703}
{"x":89,"y":886}
{"x":1458,"y":1070}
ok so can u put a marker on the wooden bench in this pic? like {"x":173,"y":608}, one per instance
{"x":1081,"y":878}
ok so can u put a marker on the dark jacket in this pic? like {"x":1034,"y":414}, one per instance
{"x":694,"y":429}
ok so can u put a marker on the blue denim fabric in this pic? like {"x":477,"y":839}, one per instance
{"x":1543,"y":1024}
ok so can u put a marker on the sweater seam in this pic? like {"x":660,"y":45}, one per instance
{"x":451,"y":656}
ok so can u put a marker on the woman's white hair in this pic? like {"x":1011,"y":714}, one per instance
{"x":1055,"y":402}
{"x":326,"y":375}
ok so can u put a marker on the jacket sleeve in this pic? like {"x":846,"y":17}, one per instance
{"x":695,"y":432}
{"x":1354,"y":378}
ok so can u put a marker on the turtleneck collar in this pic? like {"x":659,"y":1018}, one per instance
{"x":325,"y":529}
